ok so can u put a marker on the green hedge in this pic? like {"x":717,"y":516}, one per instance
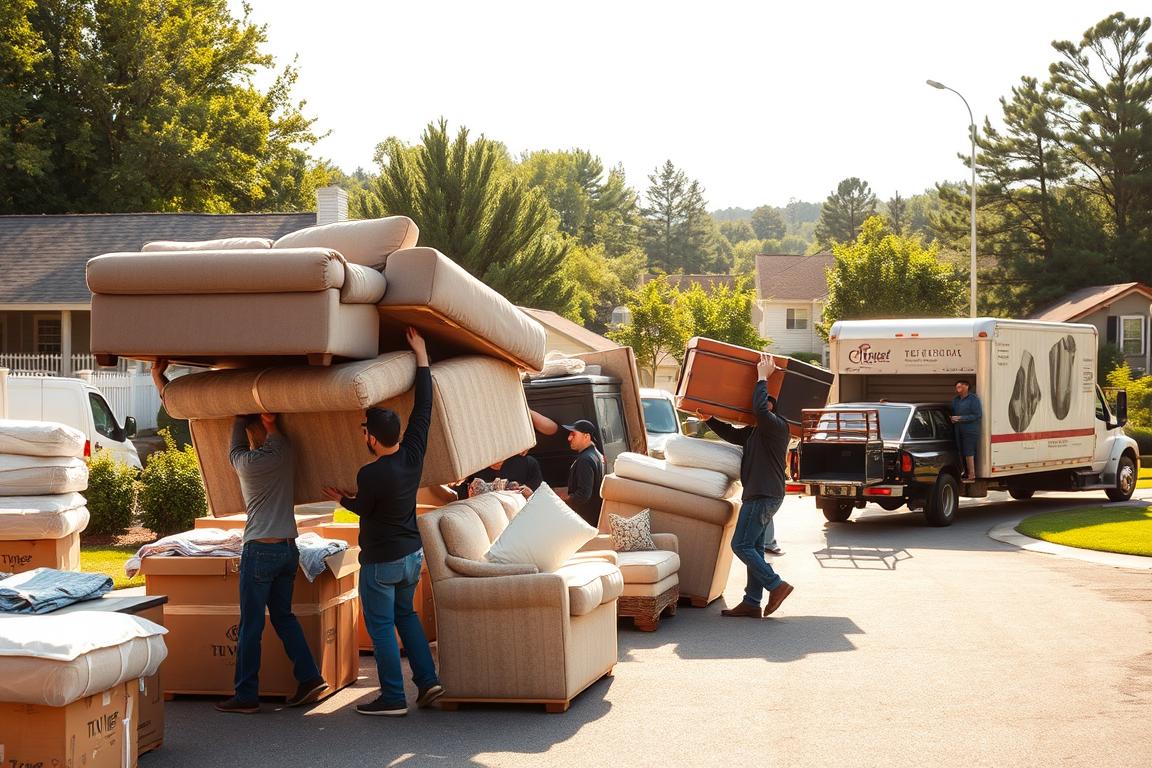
{"x":111,"y":495}
{"x":1142,"y":436}
{"x":173,"y":495}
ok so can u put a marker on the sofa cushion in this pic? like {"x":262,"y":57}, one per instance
{"x":223,"y":244}
{"x":684,"y":451}
{"x":701,"y":482}
{"x":464,"y":535}
{"x":546,"y":532}
{"x":591,"y":583}
{"x":492,"y":513}
{"x":480,"y":568}
{"x":40,"y":438}
{"x":368,"y":242}
{"x":362,"y":285}
{"x":632,"y":534}
{"x":719,"y":512}
{"x":647,"y":567}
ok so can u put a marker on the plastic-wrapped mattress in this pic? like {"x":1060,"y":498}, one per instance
{"x":41,"y":475}
{"x":685,"y":451}
{"x":701,"y":482}
{"x":40,"y":438}
{"x":55,"y":660}
{"x":42,"y":517}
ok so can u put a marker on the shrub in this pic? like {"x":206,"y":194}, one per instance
{"x":111,"y":495}
{"x":1108,"y":359}
{"x":173,"y":495}
{"x":178,"y":427}
{"x":1139,"y":394}
{"x":1142,"y":436}
{"x":807,"y":357}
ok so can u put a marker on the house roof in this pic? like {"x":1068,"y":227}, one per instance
{"x":684,"y":282}
{"x":594,"y":341}
{"x":792,"y":278}
{"x":42,"y":258}
{"x":1078,"y":304}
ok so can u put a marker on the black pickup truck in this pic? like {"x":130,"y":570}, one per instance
{"x":888,"y":453}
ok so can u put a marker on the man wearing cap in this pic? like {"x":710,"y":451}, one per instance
{"x":586,"y":473}
{"x":390,"y":549}
{"x":762,"y":474}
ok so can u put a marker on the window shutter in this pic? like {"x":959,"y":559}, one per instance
{"x":1110,"y":334}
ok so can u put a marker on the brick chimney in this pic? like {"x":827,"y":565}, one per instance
{"x":331,"y":205}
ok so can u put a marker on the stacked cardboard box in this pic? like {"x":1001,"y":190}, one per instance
{"x":41,"y":510}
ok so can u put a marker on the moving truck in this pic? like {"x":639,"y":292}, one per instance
{"x":78,"y":404}
{"x":887,"y":436}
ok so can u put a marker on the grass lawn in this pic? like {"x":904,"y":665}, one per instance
{"x":1127,"y":530}
{"x":110,"y":560}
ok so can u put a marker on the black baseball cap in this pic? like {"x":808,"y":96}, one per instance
{"x":383,"y":424}
{"x":581,"y":425}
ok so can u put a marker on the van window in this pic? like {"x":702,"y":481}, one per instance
{"x":611,"y":417}
{"x":103,"y":418}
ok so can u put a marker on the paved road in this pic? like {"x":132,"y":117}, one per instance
{"x":902,"y":646}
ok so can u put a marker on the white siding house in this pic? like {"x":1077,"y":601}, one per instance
{"x":790,"y":296}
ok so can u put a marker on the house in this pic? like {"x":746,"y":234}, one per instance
{"x":790,"y":295}
{"x":1120,"y":312}
{"x":567,"y":337}
{"x":45,"y":305}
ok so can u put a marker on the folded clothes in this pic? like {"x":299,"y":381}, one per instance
{"x":314,"y":550}
{"x":216,"y":542}
{"x":43,"y":590}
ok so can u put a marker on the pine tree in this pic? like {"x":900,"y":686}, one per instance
{"x":768,"y":223}
{"x":676,"y":231}
{"x":897,"y":214}
{"x":844,"y":212}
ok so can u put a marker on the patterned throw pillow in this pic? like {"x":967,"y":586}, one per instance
{"x":632,"y":534}
{"x":478,"y":486}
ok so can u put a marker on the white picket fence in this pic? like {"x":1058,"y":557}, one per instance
{"x":50,"y":365}
{"x":128,"y":394}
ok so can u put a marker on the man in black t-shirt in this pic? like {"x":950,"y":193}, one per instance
{"x":586,"y":473}
{"x":390,"y":550}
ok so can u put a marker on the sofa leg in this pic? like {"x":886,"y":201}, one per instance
{"x":698,"y":602}
{"x":557,"y":708}
{"x":320,"y":360}
{"x":646,"y":623}
{"x":670,"y":609}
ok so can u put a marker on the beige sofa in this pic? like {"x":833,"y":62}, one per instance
{"x":507,"y":633}
{"x":703,"y":528}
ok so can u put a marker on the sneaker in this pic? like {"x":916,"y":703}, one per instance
{"x":429,"y":695}
{"x":239,"y":707}
{"x":381,"y":707}
{"x":306,"y":693}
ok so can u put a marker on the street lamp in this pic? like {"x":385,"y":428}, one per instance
{"x":972,"y":132}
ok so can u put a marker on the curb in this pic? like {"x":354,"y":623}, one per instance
{"x":1007,"y":533}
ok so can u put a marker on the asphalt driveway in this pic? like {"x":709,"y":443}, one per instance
{"x":902,"y":645}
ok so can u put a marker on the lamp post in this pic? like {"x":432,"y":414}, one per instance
{"x":972,"y":136}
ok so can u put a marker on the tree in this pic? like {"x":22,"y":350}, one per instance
{"x":844,"y":212}
{"x":768,"y":223}
{"x":897,"y":214}
{"x":659,"y":328}
{"x":143,"y":105}
{"x":886,"y":275}
{"x":724,"y":314}
{"x":737,"y":230}
{"x":600,"y":284}
{"x":471,"y":207}
{"x":676,"y":231}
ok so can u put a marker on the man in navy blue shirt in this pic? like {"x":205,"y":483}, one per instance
{"x":966,"y":415}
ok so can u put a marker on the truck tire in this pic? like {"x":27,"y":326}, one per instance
{"x":1020,"y":494}
{"x":835,"y":511}
{"x":940,"y":507}
{"x":1125,"y":480}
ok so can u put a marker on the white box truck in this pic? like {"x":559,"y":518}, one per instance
{"x":887,"y":435}
{"x":78,"y":404}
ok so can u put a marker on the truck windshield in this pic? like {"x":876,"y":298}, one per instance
{"x":659,"y":415}
{"x":893,"y":418}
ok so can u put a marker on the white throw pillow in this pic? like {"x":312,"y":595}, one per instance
{"x":546,"y":532}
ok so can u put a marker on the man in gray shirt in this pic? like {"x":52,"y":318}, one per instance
{"x":264,"y":464}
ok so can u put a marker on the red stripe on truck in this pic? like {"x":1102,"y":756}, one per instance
{"x":1049,"y":435}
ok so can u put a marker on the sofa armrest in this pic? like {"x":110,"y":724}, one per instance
{"x":483,"y":569}
{"x":362,"y":285}
{"x":666,"y":542}
{"x":538,"y":590}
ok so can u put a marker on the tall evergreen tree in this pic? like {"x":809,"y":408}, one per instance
{"x":470,"y":206}
{"x":768,"y":223}
{"x":676,"y":231}
{"x":896,"y":214}
{"x":844,"y":212}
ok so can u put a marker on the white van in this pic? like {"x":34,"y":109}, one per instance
{"x":660,"y":419}
{"x":78,"y":404}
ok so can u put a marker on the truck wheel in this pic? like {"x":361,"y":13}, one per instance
{"x":1125,"y":480}
{"x":1020,"y":494}
{"x":835,"y":511}
{"x":891,"y":504}
{"x":940,"y":507}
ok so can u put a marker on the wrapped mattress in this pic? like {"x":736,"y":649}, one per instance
{"x":40,"y":438}
{"x":42,"y":517}
{"x":701,"y":482}
{"x":41,"y":475}
{"x":55,"y":660}
{"x":479,"y":416}
{"x":683,"y":451}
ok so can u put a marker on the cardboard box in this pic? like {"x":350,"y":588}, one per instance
{"x":421,"y":601}
{"x":61,"y":554}
{"x":98,"y":731}
{"x":203,"y":620}
{"x":718,"y":379}
{"x":304,"y":522}
{"x":150,"y":721}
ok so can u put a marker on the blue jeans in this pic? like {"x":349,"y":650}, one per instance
{"x":386,"y":591}
{"x":748,"y":546}
{"x":267,"y":572}
{"x":770,"y":533}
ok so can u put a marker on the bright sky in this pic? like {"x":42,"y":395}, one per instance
{"x":759,"y":101}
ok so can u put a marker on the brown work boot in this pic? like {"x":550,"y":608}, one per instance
{"x":777,"y":596}
{"x":743,"y":609}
